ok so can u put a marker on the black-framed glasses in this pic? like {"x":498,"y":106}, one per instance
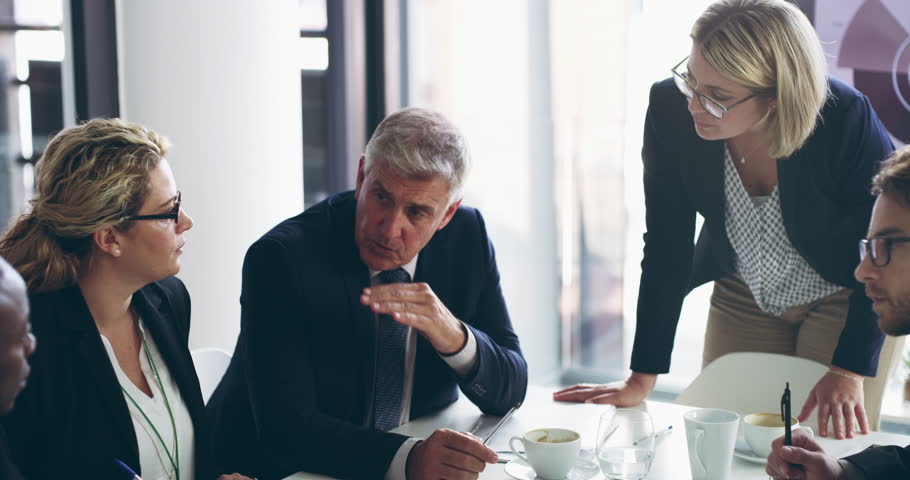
{"x":713,"y":107}
{"x":173,"y":214}
{"x":879,"y":249}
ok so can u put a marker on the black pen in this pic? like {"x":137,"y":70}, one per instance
{"x":785,"y":414}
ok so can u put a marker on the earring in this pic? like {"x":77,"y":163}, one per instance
{"x":117,"y":252}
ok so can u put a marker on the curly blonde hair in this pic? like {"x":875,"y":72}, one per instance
{"x":770,"y":47}
{"x":90,"y":176}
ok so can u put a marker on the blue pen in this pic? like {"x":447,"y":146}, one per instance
{"x":127,"y":469}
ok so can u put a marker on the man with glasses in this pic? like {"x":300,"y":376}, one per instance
{"x":884,"y":268}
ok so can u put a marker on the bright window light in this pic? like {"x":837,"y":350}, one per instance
{"x":314,"y":53}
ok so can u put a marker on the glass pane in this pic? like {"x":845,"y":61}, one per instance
{"x":312,"y":15}
{"x":587,"y":42}
{"x":38,"y":12}
{"x":315,"y":137}
{"x":32,"y":111}
{"x":314,"y":53}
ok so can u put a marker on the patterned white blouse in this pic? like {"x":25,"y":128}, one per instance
{"x":778,"y":276}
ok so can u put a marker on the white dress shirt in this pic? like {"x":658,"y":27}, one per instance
{"x":153,"y":460}
{"x":462,"y":362}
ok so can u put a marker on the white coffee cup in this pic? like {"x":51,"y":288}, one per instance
{"x":551,"y":452}
{"x":711,"y":436}
{"x":760,"y":429}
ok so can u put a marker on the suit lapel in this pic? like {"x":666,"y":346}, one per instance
{"x":156,"y":318}
{"x":705,"y":176}
{"x":356,"y":277}
{"x":99,"y":367}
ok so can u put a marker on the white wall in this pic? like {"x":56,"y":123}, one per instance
{"x":220,"y":78}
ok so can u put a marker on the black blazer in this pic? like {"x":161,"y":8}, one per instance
{"x":300,"y":383}
{"x":883,"y":463}
{"x":825,"y":203}
{"x":72,"y":420}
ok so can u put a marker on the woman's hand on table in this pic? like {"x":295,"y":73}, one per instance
{"x":627,"y":393}
{"x":838,"y":396}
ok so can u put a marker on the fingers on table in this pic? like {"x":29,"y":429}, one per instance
{"x":861,"y":419}
{"x":580,"y":394}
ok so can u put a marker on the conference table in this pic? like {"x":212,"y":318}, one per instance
{"x":671,"y":459}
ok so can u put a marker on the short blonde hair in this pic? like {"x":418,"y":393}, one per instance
{"x":770,"y":47}
{"x":89,"y":177}
{"x":420,"y":143}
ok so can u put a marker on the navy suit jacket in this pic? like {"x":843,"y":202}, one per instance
{"x":825,"y":203}
{"x":296,"y":394}
{"x":72,"y":420}
{"x":8,"y":471}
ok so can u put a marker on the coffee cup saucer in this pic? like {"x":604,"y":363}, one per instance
{"x":583,"y":470}
{"x":744,"y":451}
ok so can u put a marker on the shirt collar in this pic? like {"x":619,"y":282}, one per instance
{"x":409,"y":267}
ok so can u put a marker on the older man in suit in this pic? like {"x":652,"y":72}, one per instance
{"x":371,"y":308}
{"x":885,"y":270}
{"x":16,"y":344}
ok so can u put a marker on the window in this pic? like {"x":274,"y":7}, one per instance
{"x":31,"y":105}
{"x":314,"y":64}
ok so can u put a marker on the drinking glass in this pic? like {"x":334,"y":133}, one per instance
{"x":625,"y":444}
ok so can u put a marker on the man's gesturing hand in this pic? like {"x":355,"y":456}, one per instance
{"x":415,"y":305}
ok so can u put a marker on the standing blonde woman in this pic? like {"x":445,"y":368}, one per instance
{"x":112,"y":379}
{"x":750,"y":133}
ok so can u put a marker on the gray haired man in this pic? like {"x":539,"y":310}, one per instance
{"x":367,"y":310}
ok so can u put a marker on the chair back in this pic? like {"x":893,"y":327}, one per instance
{"x":750,"y":382}
{"x":211,"y":363}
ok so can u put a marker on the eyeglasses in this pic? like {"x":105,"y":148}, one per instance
{"x":879,"y":249}
{"x":709,"y":104}
{"x":173,"y":214}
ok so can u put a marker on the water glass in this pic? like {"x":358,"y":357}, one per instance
{"x":625,"y":444}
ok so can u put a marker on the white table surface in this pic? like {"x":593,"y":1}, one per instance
{"x":671,"y":460}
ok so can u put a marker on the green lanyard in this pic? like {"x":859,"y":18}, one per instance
{"x":175,"y":458}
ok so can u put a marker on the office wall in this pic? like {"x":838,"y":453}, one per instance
{"x":221,"y":79}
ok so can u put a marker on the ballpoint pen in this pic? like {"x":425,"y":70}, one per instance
{"x":785,"y":414}
{"x":127,"y":469}
{"x":501,"y":422}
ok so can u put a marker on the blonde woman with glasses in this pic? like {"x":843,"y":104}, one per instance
{"x":750,"y":133}
{"x":113,"y":388}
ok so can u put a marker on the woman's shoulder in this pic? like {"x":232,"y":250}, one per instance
{"x":170,"y":290}
{"x":842,"y":98}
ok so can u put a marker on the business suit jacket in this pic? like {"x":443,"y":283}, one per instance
{"x":8,"y":470}
{"x":72,"y":419}
{"x":825,"y":203}
{"x":301,"y":380}
{"x":881,"y":463}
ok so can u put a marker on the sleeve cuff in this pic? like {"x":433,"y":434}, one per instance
{"x":398,"y":469}
{"x":463,"y":361}
{"x":850,"y":470}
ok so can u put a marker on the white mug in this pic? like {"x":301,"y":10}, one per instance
{"x":760,"y":429}
{"x":711,"y":436}
{"x":551,"y":452}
